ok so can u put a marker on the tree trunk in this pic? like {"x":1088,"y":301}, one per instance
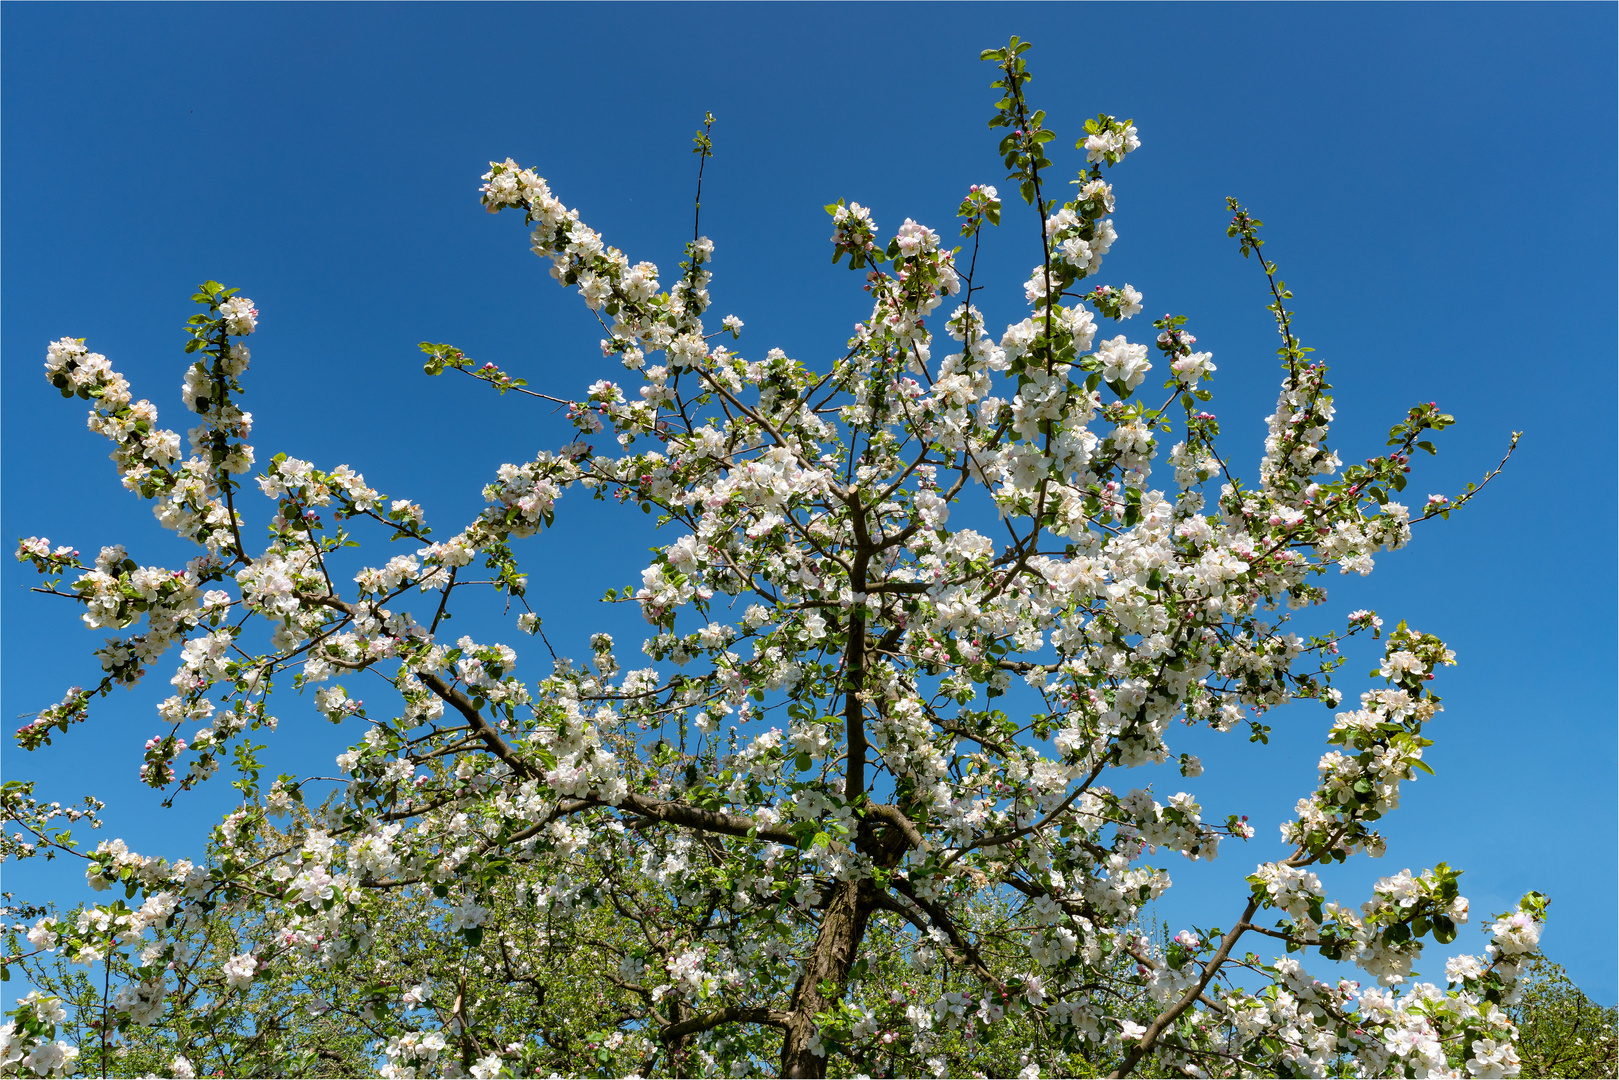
{"x":842,"y":929}
{"x":679,"y":1047}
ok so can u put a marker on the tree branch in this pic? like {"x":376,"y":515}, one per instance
{"x":1171,"y":1014}
{"x":731,"y":1014}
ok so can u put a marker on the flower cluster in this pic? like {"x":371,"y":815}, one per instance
{"x":28,"y":1038}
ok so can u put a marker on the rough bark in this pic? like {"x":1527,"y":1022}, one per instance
{"x":842,"y":928}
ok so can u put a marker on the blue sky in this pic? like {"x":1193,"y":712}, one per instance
{"x":1437,"y":182}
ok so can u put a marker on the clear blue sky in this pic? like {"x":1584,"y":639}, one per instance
{"x":1437,"y":181}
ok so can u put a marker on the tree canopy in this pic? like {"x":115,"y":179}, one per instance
{"x":803,"y":836}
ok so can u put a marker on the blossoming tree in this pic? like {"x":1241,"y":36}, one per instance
{"x":807,"y":783}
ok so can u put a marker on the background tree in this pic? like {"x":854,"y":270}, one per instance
{"x":1561,"y":1032}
